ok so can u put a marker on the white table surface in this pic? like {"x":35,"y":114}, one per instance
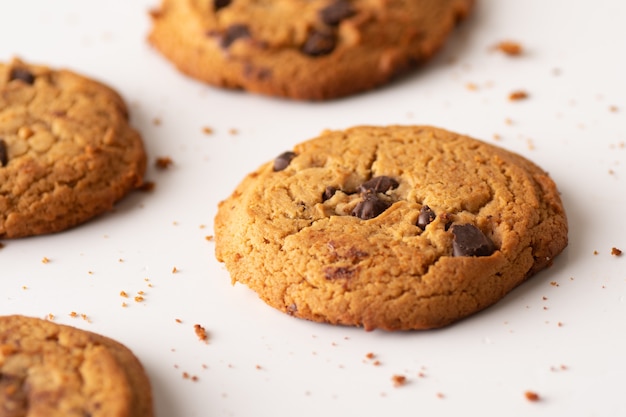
{"x":560,"y":335}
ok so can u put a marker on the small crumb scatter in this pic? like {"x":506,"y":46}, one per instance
{"x":210,"y":238}
{"x":50,"y":316}
{"x":174,"y":270}
{"x":398,"y":380}
{"x":616,"y":252}
{"x":258,"y":367}
{"x":156,"y":121}
{"x":201,"y":333}
{"x":595,"y":252}
{"x":613,"y":109}
{"x":471,"y":86}
{"x":554,"y":283}
{"x":178,"y":321}
{"x":73,"y":314}
{"x":24,"y":287}
{"x":518,"y":95}
{"x":440,"y":395}
{"x":207,"y":130}
{"x":233,"y":131}
{"x":370,"y":355}
{"x":532,"y":396}
{"x":139,"y":298}
{"x":123,"y":294}
{"x":124,"y":305}
{"x":163,"y":162}
{"x":510,"y":48}
{"x":45,"y":260}
{"x":497,"y":137}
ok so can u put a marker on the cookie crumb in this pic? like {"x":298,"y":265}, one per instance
{"x":532,"y":396}
{"x":207,"y":130}
{"x":209,"y":238}
{"x":554,"y":283}
{"x":440,"y":395}
{"x":233,"y":131}
{"x":518,"y":95}
{"x":156,"y":121}
{"x":399,"y":380}
{"x":510,"y":48}
{"x":616,"y":252}
{"x":179,"y":321}
{"x":123,"y":294}
{"x":613,"y":109}
{"x":45,"y":260}
{"x":201,"y":333}
{"x":147,"y":186}
{"x":163,"y":162}
{"x":139,"y":298}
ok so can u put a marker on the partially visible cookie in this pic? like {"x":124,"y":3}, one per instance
{"x":67,"y":150}
{"x":397,"y":228}
{"x":48,"y":369}
{"x":302,"y":49}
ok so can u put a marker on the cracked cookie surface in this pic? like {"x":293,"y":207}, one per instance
{"x":399,"y":227}
{"x":67,"y":151}
{"x":302,"y":49}
{"x":48,"y":369}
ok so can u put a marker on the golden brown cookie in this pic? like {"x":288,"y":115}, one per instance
{"x":67,"y":151}
{"x":48,"y":369}
{"x":302,"y":49}
{"x":400,"y":227}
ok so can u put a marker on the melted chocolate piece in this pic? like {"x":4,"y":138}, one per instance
{"x":283,"y":160}
{"x":380,"y":184}
{"x":219,"y":4}
{"x":4,"y":155}
{"x":426,"y":217}
{"x":319,"y":43}
{"x":22,"y":75}
{"x":335,"y":12}
{"x":329,"y":192}
{"x":233,"y":33}
{"x":470,"y":241}
{"x":370,"y":207}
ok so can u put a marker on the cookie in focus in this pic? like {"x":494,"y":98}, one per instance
{"x":396,"y":228}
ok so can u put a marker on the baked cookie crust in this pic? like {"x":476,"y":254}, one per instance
{"x":302,"y":49}
{"x":396,"y":228}
{"x":53,"y":370}
{"x":67,"y":150}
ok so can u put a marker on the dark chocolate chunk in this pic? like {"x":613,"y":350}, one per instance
{"x":4,"y":156}
{"x":283,"y":160}
{"x":22,"y":75}
{"x":380,"y":184}
{"x":329,"y":192}
{"x":335,"y":12}
{"x":341,"y":272}
{"x":426,"y":217}
{"x":319,"y":43}
{"x":470,"y":241}
{"x":233,"y":33}
{"x":219,"y":4}
{"x":370,"y":207}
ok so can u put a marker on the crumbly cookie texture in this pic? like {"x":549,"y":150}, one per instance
{"x":67,"y":151}
{"x":302,"y":49}
{"x":397,"y":228}
{"x":52,"y":370}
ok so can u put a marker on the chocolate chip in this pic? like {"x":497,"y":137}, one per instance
{"x":283,"y":160}
{"x":219,"y":4}
{"x":335,"y":12}
{"x":22,"y":75}
{"x":233,"y":33}
{"x":426,"y":217}
{"x":328,"y":193}
{"x":319,"y":43}
{"x":470,"y":241}
{"x":341,"y":272}
{"x":4,"y":156}
{"x":380,"y":184}
{"x":370,"y":207}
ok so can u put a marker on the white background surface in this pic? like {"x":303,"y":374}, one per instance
{"x":565,"y":342}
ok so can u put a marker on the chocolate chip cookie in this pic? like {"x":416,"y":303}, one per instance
{"x":67,"y":151}
{"x":48,"y":369}
{"x":397,"y":228}
{"x":302,"y":49}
